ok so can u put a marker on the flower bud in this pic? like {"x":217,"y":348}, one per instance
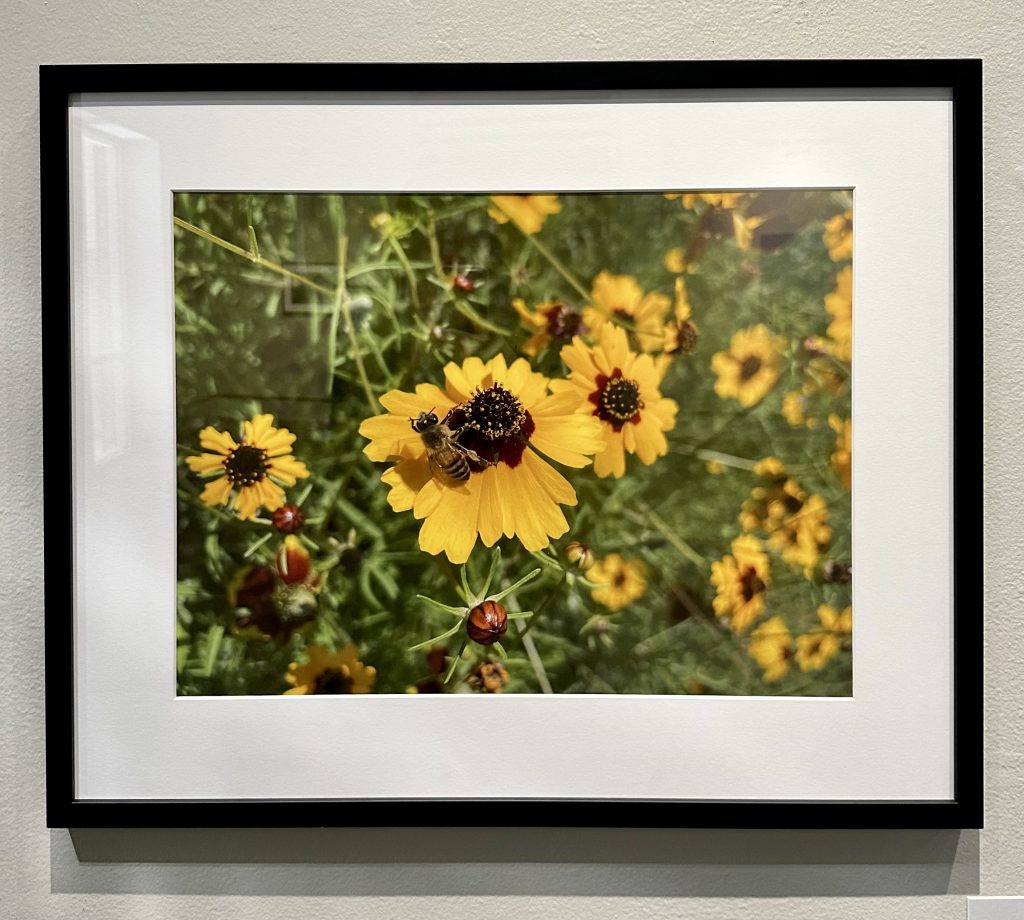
{"x":462,"y":282}
{"x":487,"y":622}
{"x":383,"y":223}
{"x":289,"y":519}
{"x":815,"y":346}
{"x":293,"y":562}
{"x":579,"y":555}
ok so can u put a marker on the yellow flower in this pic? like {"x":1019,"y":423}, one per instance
{"x":814,"y":650}
{"x":715,"y":467}
{"x":715,"y":199}
{"x":330,"y":672}
{"x":801,"y":537}
{"x":834,"y":621}
{"x":771,"y":646}
{"x":621,"y":389}
{"x":741,"y":581}
{"x":750,"y":368}
{"x":743,"y":229}
{"x":796,"y":524}
{"x":527,"y":211}
{"x":505,"y":414}
{"x":842,"y":457}
{"x":490,"y":677}
{"x":838,"y":236}
{"x":839,"y":304}
{"x":622,"y":581}
{"x":249,"y":472}
{"x":620,"y":299}
{"x":794,"y":410}
{"x":680,"y":336}
{"x":550,"y":320}
{"x":675,"y":260}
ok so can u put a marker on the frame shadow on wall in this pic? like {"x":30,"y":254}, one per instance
{"x":596,"y":862}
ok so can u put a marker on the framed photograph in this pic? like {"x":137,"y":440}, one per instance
{"x":582,"y":438}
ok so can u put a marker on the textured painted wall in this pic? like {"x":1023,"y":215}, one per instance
{"x":467,"y":873}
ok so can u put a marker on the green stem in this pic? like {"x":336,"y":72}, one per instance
{"x":556,"y":263}
{"x":540,"y":607}
{"x":252,"y":256}
{"x":414,"y":295}
{"x":342,"y":306}
{"x":647,"y":515}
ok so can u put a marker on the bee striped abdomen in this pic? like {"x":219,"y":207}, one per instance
{"x":457,"y":467}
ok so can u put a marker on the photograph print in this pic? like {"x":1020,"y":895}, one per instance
{"x":572,"y":443}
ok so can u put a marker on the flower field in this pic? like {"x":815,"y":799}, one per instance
{"x":576,"y":443}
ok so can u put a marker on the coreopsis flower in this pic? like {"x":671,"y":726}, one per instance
{"x":771,"y":646}
{"x":750,"y":366}
{"x":838,"y":236}
{"x":715,"y":199}
{"x":550,"y":320}
{"x":680,"y":335}
{"x":794,"y":410}
{"x":795,"y":524}
{"x":330,"y":672}
{"x":528,"y":212}
{"x":675,"y":260}
{"x":834,"y":621}
{"x":801,"y":537}
{"x":622,"y":390}
{"x":740,"y":581}
{"x":489,"y":677}
{"x":620,"y":581}
{"x":839,"y":305}
{"x":815,"y":649}
{"x":842,"y":456}
{"x":743,"y":230}
{"x":506,"y":417}
{"x":620,"y":299}
{"x":249,"y":473}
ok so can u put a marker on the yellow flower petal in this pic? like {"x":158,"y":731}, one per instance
{"x":406,"y":480}
{"x":218,"y":441}
{"x":287,"y":469}
{"x":247,"y":503}
{"x":217,"y":491}
{"x":205,"y":463}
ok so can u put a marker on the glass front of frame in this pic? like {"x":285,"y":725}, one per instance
{"x":514,"y":443}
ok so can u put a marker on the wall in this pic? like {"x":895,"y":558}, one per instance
{"x":455,"y":873}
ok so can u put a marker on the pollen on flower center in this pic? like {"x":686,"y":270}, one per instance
{"x":618,"y":399}
{"x":246,"y":465}
{"x":332,"y":680}
{"x":495,"y":412}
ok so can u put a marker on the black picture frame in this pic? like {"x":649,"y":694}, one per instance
{"x":962,"y":79}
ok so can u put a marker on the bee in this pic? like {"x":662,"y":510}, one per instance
{"x":449,"y":461}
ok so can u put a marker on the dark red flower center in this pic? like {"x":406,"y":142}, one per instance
{"x":750,"y":366}
{"x":751,"y":584}
{"x":494,"y":424}
{"x":332,"y":680}
{"x":616,"y":399}
{"x":246,"y":465}
{"x":563,"y":322}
